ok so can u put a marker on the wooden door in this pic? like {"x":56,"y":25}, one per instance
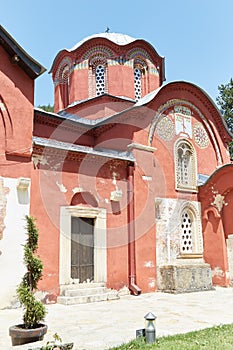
{"x":82,"y":249}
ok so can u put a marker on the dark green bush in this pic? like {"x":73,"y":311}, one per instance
{"x":34,"y":310}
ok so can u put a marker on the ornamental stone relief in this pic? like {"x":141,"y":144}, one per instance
{"x":165,"y":129}
{"x":200,"y":135}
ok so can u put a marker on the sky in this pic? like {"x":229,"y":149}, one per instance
{"x":194,"y":36}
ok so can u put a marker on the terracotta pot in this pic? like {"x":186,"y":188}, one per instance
{"x":20,"y":335}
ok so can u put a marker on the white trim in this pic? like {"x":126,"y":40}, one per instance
{"x":141,"y":147}
{"x":100,"y":254}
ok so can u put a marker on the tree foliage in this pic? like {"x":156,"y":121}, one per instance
{"x":225,"y":101}
{"x":47,"y":108}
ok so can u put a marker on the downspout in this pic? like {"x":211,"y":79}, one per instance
{"x":135,"y":290}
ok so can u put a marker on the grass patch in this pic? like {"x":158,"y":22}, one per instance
{"x":215,"y":338}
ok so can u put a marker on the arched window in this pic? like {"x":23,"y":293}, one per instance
{"x":137,"y":83}
{"x":185,"y":166}
{"x":97,"y":76}
{"x":140,"y":78}
{"x":64,"y":85}
{"x":100,"y":79}
{"x":191,"y":242}
{"x":186,"y":241}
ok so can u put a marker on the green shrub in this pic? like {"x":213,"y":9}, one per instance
{"x":34,"y":310}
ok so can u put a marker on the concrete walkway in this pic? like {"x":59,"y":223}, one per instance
{"x":107,"y":324}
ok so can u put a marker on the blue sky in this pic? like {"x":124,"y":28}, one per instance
{"x":195,"y":36}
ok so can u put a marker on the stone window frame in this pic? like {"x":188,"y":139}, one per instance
{"x":197,"y":239}
{"x":191,"y":184}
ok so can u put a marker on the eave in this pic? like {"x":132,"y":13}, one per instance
{"x":19,"y":56}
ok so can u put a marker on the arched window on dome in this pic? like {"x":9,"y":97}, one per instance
{"x":140,"y":79}
{"x":98,"y":76}
{"x":100,"y":79}
{"x":185,"y":166}
{"x":64,"y":85}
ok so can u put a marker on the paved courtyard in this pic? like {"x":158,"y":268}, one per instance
{"x":106,"y":324}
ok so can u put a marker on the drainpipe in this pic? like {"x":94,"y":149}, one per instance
{"x":135,"y":290}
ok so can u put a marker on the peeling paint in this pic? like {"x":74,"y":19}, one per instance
{"x":61,"y":187}
{"x":148,"y":264}
{"x":38,"y":159}
{"x":152,"y":283}
{"x":217,"y":272}
{"x":77,"y":190}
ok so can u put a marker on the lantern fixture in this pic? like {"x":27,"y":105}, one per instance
{"x":150,"y":329}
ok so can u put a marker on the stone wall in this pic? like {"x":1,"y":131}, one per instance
{"x":185,"y":278}
{"x":14,"y":206}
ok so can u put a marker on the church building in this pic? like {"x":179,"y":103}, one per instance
{"x":130,"y":179}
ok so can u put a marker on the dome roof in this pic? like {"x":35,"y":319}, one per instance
{"x":117,"y":38}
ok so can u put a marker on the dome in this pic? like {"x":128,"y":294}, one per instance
{"x":117,"y":38}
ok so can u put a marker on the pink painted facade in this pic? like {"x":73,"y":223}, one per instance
{"x":146,"y":163}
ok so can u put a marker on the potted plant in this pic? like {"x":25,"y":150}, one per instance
{"x":34,"y":311}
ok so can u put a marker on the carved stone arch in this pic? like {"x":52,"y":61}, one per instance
{"x":138,"y":52}
{"x":95,"y":60}
{"x":62,"y":79}
{"x":98,"y":51}
{"x":63,"y":70}
{"x":6,"y":121}
{"x":173,"y":102}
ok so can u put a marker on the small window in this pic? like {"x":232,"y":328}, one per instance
{"x":100,"y":79}
{"x":137,"y":83}
{"x":64,"y":86}
{"x":98,"y":76}
{"x":186,"y":233}
{"x":191,"y":242}
{"x":141,"y":83}
{"x":185,"y":166}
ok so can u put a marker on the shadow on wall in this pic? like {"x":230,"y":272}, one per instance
{"x":84,"y":198}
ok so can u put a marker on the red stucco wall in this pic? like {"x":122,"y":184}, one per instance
{"x":17,"y":96}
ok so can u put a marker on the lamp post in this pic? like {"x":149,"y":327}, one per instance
{"x":150,"y":328}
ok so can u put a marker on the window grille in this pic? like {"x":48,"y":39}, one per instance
{"x":137,"y":83}
{"x":186,"y":233}
{"x":100,"y":79}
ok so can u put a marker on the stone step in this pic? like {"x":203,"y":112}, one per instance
{"x":84,"y":291}
{"x":73,"y":300}
{"x":80,"y":286}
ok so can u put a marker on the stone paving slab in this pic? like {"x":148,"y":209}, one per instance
{"x":105,"y":324}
